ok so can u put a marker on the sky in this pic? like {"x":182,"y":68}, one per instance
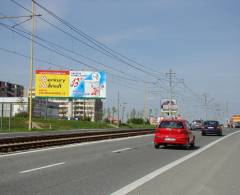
{"x":197,"y":40}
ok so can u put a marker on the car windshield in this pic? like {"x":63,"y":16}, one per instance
{"x":171,"y":124}
{"x":197,"y":121}
{"x":211,"y":123}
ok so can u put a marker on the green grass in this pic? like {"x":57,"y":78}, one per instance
{"x":39,"y":124}
{"x":19,"y":124}
{"x":132,"y":125}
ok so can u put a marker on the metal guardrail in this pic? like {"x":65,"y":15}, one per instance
{"x":30,"y":142}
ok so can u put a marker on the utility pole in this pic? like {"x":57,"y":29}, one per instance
{"x":205,"y":105}
{"x":145,"y":101}
{"x":31,"y":54}
{"x":171,"y":75}
{"x":123,"y":109}
{"x":227,"y":110}
{"x":118,"y":108}
{"x":31,"y":66}
{"x":2,"y":115}
{"x":206,"y":102}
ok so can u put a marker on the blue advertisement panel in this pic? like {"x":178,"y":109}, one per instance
{"x":86,"y":84}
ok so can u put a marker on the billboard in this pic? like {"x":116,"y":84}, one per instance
{"x":52,"y":83}
{"x":72,"y":84}
{"x":87,"y":84}
{"x":168,"y":106}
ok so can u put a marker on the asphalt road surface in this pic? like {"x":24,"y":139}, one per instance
{"x":108,"y":166}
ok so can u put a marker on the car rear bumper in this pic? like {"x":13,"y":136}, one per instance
{"x":211,"y":131}
{"x":161,"y":140}
{"x":197,"y":127}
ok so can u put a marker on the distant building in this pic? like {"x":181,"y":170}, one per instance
{"x":79,"y":108}
{"x":11,"y":90}
{"x":71,"y":108}
{"x":10,"y":106}
{"x":45,"y":108}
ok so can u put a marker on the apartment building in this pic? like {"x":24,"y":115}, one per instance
{"x":79,"y":108}
{"x":10,"y":89}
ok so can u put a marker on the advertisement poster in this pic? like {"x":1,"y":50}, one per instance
{"x":73,"y":84}
{"x":52,"y":83}
{"x":85,"y":84}
{"x":169,"y":106}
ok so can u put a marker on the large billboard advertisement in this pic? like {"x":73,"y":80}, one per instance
{"x":73,"y":84}
{"x":52,"y":83}
{"x":87,"y":84}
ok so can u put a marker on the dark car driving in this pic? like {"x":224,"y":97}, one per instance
{"x":212,"y":127}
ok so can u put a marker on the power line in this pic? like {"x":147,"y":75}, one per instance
{"x":87,"y":37}
{"x":27,"y":56}
{"x":92,"y":40}
{"x":40,"y":60}
{"x":51,"y":43}
{"x":59,"y":53}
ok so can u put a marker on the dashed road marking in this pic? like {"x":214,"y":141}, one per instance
{"x":43,"y":167}
{"x":132,"y":186}
{"x":121,"y":150}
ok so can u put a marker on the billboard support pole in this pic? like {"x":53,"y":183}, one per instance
{"x":46,"y":108}
{"x":31,"y":68}
{"x":84,"y":113}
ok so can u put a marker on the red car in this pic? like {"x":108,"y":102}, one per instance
{"x":174,"y":132}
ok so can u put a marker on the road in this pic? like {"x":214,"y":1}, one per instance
{"x":92,"y":168}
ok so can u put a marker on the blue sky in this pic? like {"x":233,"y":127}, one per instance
{"x":198,"y":40}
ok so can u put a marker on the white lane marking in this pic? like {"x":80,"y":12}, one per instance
{"x":130,"y":187}
{"x":121,"y":150}
{"x":73,"y":145}
{"x":43,"y":167}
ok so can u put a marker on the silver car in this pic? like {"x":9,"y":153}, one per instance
{"x":197,"y":124}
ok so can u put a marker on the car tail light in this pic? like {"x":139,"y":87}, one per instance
{"x":182,"y":131}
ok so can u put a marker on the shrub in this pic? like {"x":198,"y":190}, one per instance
{"x":21,"y":115}
{"x":86,"y":119}
{"x":136,"y":121}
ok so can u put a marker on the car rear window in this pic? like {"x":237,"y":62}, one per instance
{"x":171,"y":124}
{"x":197,"y":121}
{"x":211,"y":123}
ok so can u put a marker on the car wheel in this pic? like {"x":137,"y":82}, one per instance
{"x":192,"y":145}
{"x":186,"y":147}
{"x":156,"y":146}
{"x":203,"y":134}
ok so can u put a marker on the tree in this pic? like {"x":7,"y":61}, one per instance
{"x":104,"y":113}
{"x":133,"y":113}
{"x":150,"y":112}
{"x":108,"y":112}
{"x":114,"y":110}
